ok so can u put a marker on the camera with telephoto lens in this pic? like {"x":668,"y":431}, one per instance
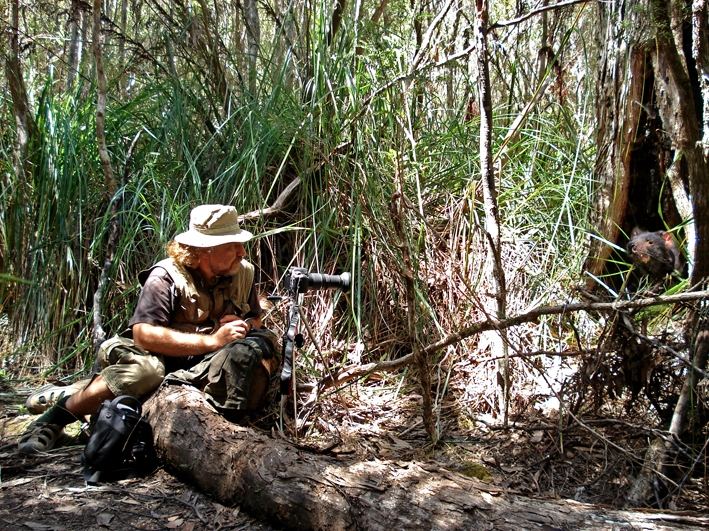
{"x":299,"y":280}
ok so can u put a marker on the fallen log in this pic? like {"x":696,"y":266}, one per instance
{"x":292,"y":488}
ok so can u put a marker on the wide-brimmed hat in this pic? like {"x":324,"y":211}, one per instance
{"x":212,"y":225}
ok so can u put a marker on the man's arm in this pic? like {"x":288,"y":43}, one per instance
{"x":153,"y":313}
{"x":169,"y":342}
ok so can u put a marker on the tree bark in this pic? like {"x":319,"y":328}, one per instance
{"x":620,"y":89}
{"x":700,"y":52}
{"x":679,"y":118}
{"x":110,"y":180}
{"x":275,"y":481}
{"x":492,"y":212}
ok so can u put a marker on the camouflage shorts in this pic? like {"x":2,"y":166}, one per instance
{"x":128,"y":369}
{"x":237,"y":376}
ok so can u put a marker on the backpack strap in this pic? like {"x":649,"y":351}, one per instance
{"x":129,"y":401}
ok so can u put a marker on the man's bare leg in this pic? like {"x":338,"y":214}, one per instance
{"x":87,"y":402}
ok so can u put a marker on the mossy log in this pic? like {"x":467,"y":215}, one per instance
{"x":288,"y":487}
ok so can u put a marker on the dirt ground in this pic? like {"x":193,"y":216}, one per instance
{"x":47,"y":492}
{"x":593,"y":460}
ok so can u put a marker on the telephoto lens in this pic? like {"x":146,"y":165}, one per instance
{"x":318,"y":281}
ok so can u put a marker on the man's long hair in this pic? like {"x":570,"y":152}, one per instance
{"x":185,"y":255}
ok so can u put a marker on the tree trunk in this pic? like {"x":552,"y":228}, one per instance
{"x":619,"y":94}
{"x":24,"y":121}
{"x":19,"y":186}
{"x":209,"y":46}
{"x":292,"y":488}
{"x":700,"y":52}
{"x":680,"y":119}
{"x":492,"y":212}
{"x":110,"y":180}
{"x":340,"y":6}
{"x":75,"y":44}
{"x":253,"y":37}
{"x":679,"y":116}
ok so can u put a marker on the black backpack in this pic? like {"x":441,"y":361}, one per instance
{"x":121,"y":443}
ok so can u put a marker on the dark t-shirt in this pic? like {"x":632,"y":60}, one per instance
{"x":158,"y":300}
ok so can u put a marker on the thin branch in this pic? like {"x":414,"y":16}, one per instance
{"x":534,"y":13}
{"x":426,"y":41}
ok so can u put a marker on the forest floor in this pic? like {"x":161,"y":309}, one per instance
{"x":47,"y":492}
{"x":591,"y":460}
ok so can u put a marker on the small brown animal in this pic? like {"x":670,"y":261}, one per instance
{"x":654,"y":253}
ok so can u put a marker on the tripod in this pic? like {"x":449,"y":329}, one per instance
{"x":299,"y":281}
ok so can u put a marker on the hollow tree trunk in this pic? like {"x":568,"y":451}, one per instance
{"x":275,"y":481}
{"x":618,"y":112}
{"x":679,"y":115}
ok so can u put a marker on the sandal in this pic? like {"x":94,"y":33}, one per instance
{"x":39,"y":437}
{"x":48,"y":395}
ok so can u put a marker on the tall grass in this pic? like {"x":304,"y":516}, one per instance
{"x":326,"y":115}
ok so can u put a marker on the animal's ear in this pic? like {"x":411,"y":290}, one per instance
{"x":667,"y":237}
{"x":635,"y":232}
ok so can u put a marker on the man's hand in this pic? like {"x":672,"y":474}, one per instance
{"x":230,"y":329}
{"x":169,"y":342}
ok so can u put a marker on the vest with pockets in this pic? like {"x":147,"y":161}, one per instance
{"x":201,"y":308}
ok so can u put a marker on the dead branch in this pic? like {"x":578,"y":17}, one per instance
{"x":534,"y":13}
{"x":353,"y":372}
{"x":276,"y":207}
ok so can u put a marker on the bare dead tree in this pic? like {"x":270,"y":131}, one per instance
{"x":109,"y":179}
{"x":487,"y":173}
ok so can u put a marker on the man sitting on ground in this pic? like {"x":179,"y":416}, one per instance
{"x":194,"y":311}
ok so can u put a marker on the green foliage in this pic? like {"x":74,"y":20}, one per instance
{"x":345,"y":113}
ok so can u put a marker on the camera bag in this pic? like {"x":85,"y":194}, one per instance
{"x":121,"y":443}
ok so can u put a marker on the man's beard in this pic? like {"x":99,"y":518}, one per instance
{"x":231,"y":271}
